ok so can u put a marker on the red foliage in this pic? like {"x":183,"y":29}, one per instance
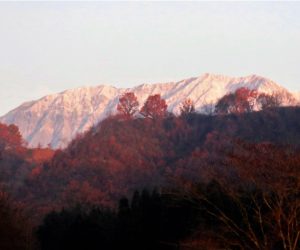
{"x":121,"y":155}
{"x":154,"y":107}
{"x":242,"y":100}
{"x":10,"y":137}
{"x":128,"y":104}
{"x":40,"y":155}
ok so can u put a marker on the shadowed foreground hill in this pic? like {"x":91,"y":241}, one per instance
{"x":119,"y":156}
{"x":237,"y":175}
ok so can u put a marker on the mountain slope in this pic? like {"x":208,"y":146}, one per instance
{"x":297,"y":96}
{"x":120,"y":156}
{"x":56,"y":119}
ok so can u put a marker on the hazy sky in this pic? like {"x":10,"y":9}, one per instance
{"x":49,"y":47}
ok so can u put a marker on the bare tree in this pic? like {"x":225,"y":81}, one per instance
{"x":265,"y":101}
{"x":128,"y":104}
{"x":257,"y":202}
{"x":208,"y":108}
{"x":187,"y":107}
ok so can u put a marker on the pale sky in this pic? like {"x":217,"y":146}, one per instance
{"x":49,"y":47}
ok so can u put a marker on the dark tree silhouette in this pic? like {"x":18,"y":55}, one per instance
{"x":78,"y":228}
{"x":187,"y":107}
{"x":265,"y":101}
{"x":151,"y":221}
{"x":15,"y":231}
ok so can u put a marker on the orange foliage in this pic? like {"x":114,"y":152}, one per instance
{"x":40,"y":155}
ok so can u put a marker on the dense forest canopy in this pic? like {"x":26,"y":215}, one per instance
{"x":228,"y":179}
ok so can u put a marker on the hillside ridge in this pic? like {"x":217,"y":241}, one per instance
{"x":57,"y":118}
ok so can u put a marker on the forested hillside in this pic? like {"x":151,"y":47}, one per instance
{"x":119,"y":156}
{"x":158,"y":181}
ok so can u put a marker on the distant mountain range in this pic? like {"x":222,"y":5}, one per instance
{"x":56,"y":119}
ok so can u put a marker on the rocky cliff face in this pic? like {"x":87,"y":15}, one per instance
{"x":56,"y":119}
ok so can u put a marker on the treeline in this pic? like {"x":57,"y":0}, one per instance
{"x":148,"y":221}
{"x":119,"y":156}
{"x":236,"y":195}
{"x":242,"y":100}
{"x":225,"y":180}
{"x":208,"y":215}
{"x":17,"y":162}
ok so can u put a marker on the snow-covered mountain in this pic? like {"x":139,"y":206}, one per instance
{"x":297,"y":96}
{"x":56,"y":119}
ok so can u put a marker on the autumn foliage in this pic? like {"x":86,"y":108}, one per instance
{"x":242,"y":100}
{"x":154,"y":107}
{"x":10,"y":138}
{"x":128,"y":104}
{"x":120,"y":156}
{"x":235,"y":174}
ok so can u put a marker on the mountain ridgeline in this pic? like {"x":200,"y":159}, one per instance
{"x":56,"y":119}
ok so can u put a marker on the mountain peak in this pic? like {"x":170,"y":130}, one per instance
{"x":56,"y":119}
